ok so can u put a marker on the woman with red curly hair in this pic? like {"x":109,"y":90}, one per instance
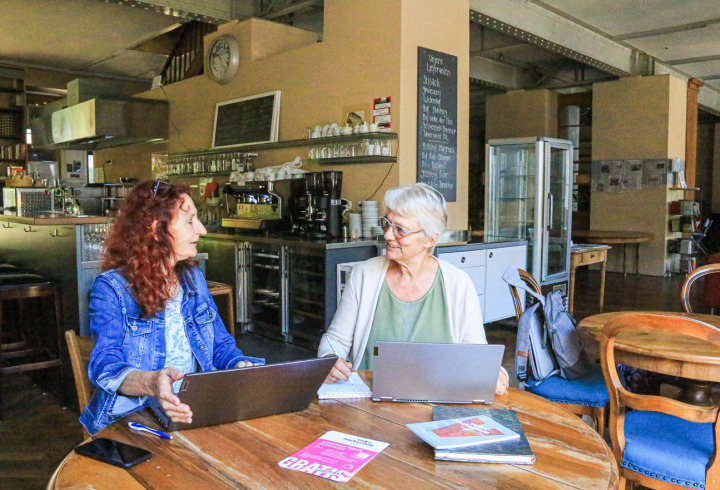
{"x":152,"y":317}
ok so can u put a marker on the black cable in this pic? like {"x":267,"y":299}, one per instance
{"x":381,"y":183}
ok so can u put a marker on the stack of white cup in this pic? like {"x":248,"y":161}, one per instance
{"x":355,"y":225}
{"x":369,"y":218}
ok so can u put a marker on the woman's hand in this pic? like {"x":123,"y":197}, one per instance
{"x":158,"y":384}
{"x":174,"y":408}
{"x":243,"y":364}
{"x":341,"y":371}
{"x":502,"y":383}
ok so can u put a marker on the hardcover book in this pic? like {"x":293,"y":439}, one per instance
{"x":515,"y":451}
{"x":462,"y":431}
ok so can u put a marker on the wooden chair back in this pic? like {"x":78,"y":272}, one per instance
{"x":80,"y":348}
{"x":621,"y":399}
{"x":531,"y":282}
{"x":690,"y":279}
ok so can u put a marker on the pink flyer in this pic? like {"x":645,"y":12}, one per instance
{"x":335,"y":456}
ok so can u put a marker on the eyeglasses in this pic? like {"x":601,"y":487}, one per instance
{"x":157,"y":184}
{"x":398,"y":231}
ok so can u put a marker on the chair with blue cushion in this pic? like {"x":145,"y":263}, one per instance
{"x":660,"y":442}
{"x":584,"y":396}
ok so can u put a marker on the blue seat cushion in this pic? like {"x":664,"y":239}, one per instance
{"x":589,"y":390}
{"x":667,"y":448}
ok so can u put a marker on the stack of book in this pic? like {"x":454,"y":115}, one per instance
{"x":480,"y":435}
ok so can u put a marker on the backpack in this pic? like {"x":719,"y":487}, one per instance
{"x":546,"y":336}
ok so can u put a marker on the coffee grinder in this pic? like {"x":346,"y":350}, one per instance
{"x":332,"y":185}
{"x":315,"y":220}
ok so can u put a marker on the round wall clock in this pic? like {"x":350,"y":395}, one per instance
{"x":223,"y":59}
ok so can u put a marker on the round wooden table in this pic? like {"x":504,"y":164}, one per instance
{"x":614,"y":237}
{"x":665,"y":353}
{"x":569,"y":453}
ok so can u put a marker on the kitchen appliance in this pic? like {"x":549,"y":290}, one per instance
{"x":528,"y":196}
{"x":259,"y":205}
{"x":332,"y":181}
{"x":26,"y":200}
{"x":96,"y":118}
{"x":323,"y":206}
{"x":315,"y":220}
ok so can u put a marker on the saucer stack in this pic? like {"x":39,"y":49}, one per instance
{"x":369,"y":218}
{"x":355,"y":225}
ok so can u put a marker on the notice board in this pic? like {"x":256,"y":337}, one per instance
{"x":247,"y":121}
{"x":437,"y":89}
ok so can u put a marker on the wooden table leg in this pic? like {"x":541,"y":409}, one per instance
{"x":624,"y":259}
{"x":602,"y":284}
{"x":571,"y":294}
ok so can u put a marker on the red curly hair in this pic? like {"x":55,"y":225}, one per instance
{"x":140,"y":245}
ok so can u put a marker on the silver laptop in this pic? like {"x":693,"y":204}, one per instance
{"x":219,"y":397}
{"x":443,"y":373}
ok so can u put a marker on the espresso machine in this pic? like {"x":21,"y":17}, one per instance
{"x":258,"y":205}
{"x":322,"y":216}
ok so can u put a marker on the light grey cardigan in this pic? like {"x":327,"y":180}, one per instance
{"x":350,"y":328}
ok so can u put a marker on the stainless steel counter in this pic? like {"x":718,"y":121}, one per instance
{"x":279,"y":238}
{"x":52,"y":219}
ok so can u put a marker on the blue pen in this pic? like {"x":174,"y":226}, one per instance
{"x":334,"y":351}
{"x":142,"y":428}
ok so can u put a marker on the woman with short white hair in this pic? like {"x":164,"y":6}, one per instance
{"x":407,"y":295}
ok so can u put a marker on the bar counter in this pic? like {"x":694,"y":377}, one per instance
{"x":52,"y":219}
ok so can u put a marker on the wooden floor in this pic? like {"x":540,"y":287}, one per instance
{"x":36,"y":431}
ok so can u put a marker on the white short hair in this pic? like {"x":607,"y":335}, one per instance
{"x":421,"y":203}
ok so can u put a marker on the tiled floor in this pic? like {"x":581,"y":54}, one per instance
{"x":36,"y":431}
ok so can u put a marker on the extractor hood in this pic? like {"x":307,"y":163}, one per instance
{"x":102,"y":123}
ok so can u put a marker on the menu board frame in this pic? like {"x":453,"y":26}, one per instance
{"x":226,"y":111}
{"x":437,"y":121}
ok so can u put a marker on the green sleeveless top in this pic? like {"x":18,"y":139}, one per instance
{"x":423,"y":320}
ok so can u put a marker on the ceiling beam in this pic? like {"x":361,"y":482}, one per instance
{"x":687,"y":61}
{"x":558,"y":33}
{"x":498,"y":75}
{"x":214,"y":11}
{"x":498,"y":50}
{"x":667,"y":30}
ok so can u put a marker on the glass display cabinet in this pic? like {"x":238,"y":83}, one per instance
{"x":528,"y":184}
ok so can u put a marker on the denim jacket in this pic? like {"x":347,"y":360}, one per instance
{"x":125,"y":342}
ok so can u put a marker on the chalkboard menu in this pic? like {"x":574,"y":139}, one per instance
{"x":437,"y":121}
{"x":247,"y":121}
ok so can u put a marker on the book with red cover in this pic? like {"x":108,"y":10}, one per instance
{"x":514,"y":451}
{"x":460,"y":432}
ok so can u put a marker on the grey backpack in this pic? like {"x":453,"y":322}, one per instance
{"x":546,"y":336}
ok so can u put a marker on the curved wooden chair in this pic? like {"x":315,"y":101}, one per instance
{"x":80,"y":348}
{"x":585,"y":396}
{"x":661,"y":443}
{"x":690,"y":279}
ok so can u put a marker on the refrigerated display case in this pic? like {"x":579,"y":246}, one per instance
{"x":528,"y":184}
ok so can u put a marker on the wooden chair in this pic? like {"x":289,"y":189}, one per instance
{"x":660,"y":443}
{"x":80,"y":348}
{"x":690,"y":279}
{"x":221,"y":289}
{"x":585,"y":396}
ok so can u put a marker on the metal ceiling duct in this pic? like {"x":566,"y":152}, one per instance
{"x":102,"y":123}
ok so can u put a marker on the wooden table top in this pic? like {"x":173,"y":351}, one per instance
{"x":569,"y":453}
{"x":665,"y":353}
{"x":612,"y":237}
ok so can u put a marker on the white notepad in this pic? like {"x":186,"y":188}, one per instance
{"x":354,"y":387}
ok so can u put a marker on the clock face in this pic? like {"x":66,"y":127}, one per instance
{"x":223,"y":59}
